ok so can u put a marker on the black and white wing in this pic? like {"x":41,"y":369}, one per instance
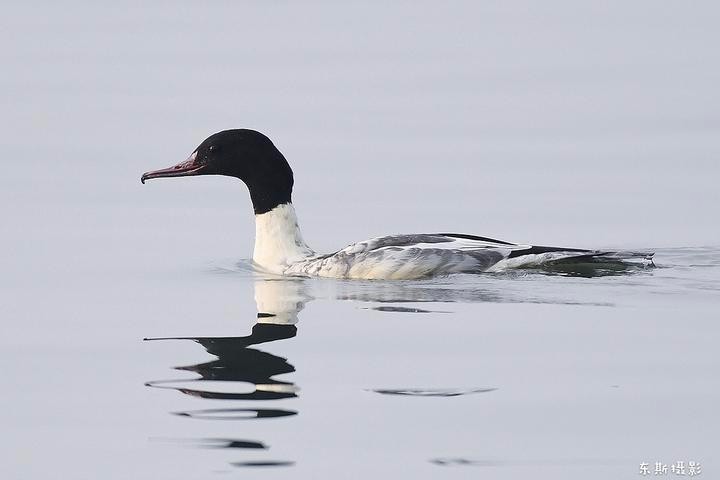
{"x":425,"y":255}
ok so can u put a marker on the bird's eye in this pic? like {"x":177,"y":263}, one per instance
{"x":212,"y":148}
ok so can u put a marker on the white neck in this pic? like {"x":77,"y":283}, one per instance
{"x":278,"y":241}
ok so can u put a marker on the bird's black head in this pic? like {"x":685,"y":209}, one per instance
{"x":245,"y":154}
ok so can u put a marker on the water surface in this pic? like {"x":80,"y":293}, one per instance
{"x":557,"y":124}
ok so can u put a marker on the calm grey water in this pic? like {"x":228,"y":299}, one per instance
{"x":586,"y":125}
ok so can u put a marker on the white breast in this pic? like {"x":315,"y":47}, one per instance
{"x":278,"y":241}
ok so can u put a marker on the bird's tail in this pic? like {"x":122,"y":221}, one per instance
{"x":565,"y":259}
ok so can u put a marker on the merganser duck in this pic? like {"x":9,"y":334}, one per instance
{"x":280,"y":249}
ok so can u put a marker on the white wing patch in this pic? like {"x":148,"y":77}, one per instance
{"x":406,"y":257}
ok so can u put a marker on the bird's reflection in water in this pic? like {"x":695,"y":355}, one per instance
{"x":433,"y":392}
{"x":278,"y":303}
{"x":237,"y":362}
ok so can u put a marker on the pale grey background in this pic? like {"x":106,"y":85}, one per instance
{"x":589,"y":124}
